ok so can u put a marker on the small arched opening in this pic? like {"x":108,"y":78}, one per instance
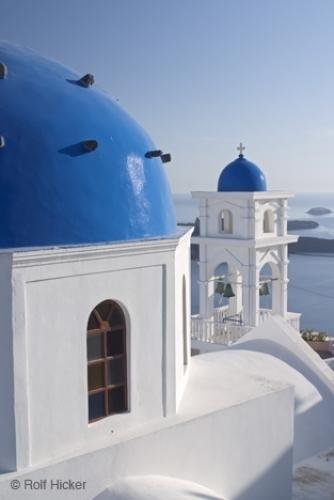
{"x":268,"y":221}
{"x":228,"y":293}
{"x":265,"y":290}
{"x":270,"y":291}
{"x":226,"y":222}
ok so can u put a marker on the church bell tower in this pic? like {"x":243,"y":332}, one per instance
{"x":243,"y":230}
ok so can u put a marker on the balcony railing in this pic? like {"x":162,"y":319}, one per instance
{"x":292,"y":318}
{"x":224,"y":329}
{"x":216,"y":331}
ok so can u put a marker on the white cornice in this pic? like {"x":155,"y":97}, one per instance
{"x":41,"y":256}
{"x":249,"y":243}
{"x":253,"y":195}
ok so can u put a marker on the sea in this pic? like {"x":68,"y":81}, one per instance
{"x":311,"y":285}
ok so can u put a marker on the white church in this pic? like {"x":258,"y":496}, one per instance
{"x":245,"y":226}
{"x":100,"y":397}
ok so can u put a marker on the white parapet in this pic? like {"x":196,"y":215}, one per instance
{"x":219,"y":331}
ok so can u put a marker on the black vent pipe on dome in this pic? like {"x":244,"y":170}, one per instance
{"x":90,"y":145}
{"x":87,"y":80}
{"x":165,"y":158}
{"x":3,"y":71}
{"x":156,"y":153}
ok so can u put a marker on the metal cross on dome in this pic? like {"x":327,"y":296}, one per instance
{"x":241,"y":148}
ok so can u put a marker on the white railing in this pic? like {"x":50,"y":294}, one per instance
{"x":219,"y":313}
{"x":292,"y":318}
{"x":264,"y":315}
{"x":220,"y":330}
{"x":216,"y":331}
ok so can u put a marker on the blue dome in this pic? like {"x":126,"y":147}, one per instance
{"x":57,"y":189}
{"x":242,"y":175}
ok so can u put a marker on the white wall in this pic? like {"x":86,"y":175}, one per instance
{"x":243,"y":452}
{"x":7,"y":415}
{"x":293,"y":362}
{"x":54,"y":293}
{"x":182,"y":273}
{"x":247,"y":210}
{"x":58,"y":313}
{"x":314,"y":388}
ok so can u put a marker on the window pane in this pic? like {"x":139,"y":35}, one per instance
{"x":95,"y":376}
{"x":115,"y":371}
{"x":104,"y":309}
{"x":96,"y":404}
{"x":95,"y":346}
{"x":116,"y":400}
{"x":117,"y":317}
{"x":115,"y":344}
{"x":92,"y":322}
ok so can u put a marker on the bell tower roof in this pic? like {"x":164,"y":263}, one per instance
{"x":241,"y":175}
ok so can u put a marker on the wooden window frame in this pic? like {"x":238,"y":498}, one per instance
{"x":104,"y":328}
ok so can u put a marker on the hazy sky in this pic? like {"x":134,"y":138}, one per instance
{"x":202,"y":75}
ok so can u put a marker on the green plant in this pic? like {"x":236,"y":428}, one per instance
{"x":313,"y":336}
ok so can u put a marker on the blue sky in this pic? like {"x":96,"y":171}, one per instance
{"x":202,"y":75}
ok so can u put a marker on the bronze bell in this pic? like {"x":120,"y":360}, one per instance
{"x":228,"y":292}
{"x":264,"y":290}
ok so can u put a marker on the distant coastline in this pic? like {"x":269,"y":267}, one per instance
{"x":294,"y":225}
{"x":319,"y":211}
{"x":308,"y":244}
{"x":304,"y":245}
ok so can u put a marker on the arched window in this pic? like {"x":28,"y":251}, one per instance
{"x":268,"y":221}
{"x":226,"y":222}
{"x":106,"y":353}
